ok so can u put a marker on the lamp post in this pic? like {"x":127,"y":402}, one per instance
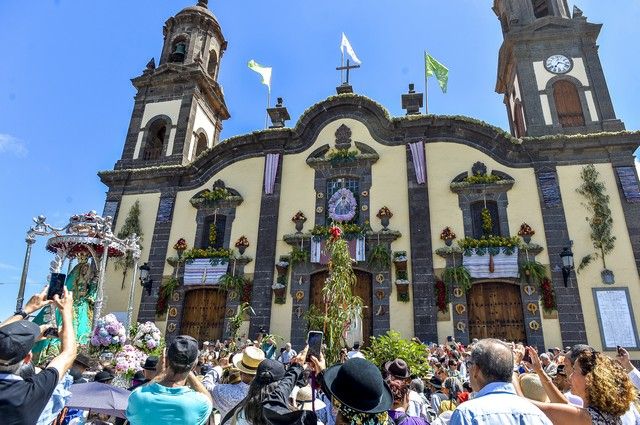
{"x":567,"y":264}
{"x":145,"y":277}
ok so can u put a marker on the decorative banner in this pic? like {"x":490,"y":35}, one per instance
{"x":319,"y":253}
{"x":201,"y":271}
{"x":504,"y":265}
{"x":270,"y":172}
{"x":417,"y":153}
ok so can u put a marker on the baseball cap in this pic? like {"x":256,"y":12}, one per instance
{"x":183,"y":351}
{"x":17,"y":340}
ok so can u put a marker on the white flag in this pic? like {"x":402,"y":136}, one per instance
{"x":264,"y":71}
{"x":346,"y":45}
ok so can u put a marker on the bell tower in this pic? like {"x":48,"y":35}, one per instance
{"x":179,"y":106}
{"x":549,"y":70}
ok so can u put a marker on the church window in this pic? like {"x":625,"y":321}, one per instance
{"x":336,"y":184}
{"x":155,"y":141}
{"x":540,"y":8}
{"x":477,"y":220}
{"x":568,"y":104}
{"x":213,"y":63}
{"x":201,"y":144}
{"x":178,"y":50}
{"x":214,"y":231}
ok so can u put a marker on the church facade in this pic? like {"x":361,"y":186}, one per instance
{"x":403,"y":186}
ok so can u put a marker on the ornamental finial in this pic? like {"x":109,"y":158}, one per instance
{"x":203,"y":3}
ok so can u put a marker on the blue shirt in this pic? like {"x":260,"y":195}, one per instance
{"x":155,"y":404}
{"x":497,"y":403}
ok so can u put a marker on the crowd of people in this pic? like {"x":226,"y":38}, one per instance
{"x":487,"y":382}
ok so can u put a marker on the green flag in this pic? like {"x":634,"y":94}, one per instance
{"x":264,"y":71}
{"x":434,"y":68}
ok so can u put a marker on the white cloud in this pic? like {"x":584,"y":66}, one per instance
{"x":12,"y":145}
{"x":5,"y":266}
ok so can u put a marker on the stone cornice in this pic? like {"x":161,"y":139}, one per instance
{"x":508,"y":151}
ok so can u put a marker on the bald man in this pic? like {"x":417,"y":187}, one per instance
{"x":490,"y":372}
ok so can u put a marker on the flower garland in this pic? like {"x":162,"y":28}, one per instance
{"x":487,"y":221}
{"x":242,"y":241}
{"x":547,"y":295}
{"x":109,"y":334}
{"x":148,"y":337}
{"x":299,"y":216}
{"x":181,"y":245}
{"x":442,"y":296}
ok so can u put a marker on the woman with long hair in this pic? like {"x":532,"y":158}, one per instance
{"x":602,"y":384}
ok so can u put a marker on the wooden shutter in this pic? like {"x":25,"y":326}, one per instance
{"x":519,"y":119}
{"x":568,"y":104}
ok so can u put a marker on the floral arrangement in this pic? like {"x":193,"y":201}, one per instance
{"x":481,"y":179}
{"x":109,"y":334}
{"x":399,"y":256}
{"x":242,"y":241}
{"x":283,"y":264}
{"x":384,"y":212}
{"x":148,"y":337}
{"x":348,"y":229}
{"x":340,"y":155}
{"x":526,"y":230}
{"x":548,"y":295}
{"x":181,"y":245}
{"x":164,"y":294}
{"x":487,"y":221}
{"x":129,"y":361}
{"x":210,"y":252}
{"x":335,"y":232}
{"x":215,"y":194}
{"x":447,"y":234}
{"x":299,"y":216}
{"x":442,"y":296}
{"x":489,"y":241}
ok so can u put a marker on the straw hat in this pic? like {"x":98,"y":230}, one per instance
{"x":303,"y":399}
{"x":532,"y":387}
{"x":248,"y":360}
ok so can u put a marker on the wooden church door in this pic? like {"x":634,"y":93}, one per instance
{"x":495,"y":311}
{"x":362,"y":289}
{"x":203,"y":314}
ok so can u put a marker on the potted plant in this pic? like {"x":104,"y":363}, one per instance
{"x":281,"y":267}
{"x":533,"y":271}
{"x":279,"y":289}
{"x":242,"y":244}
{"x":458,"y":275}
{"x":402,"y":286}
{"x":299,"y":219}
{"x":447,"y":235}
{"x":298,"y":256}
{"x":229,"y":282}
{"x":384,"y":214}
{"x":526,"y":232}
{"x":379,"y":257}
{"x":400,"y":260}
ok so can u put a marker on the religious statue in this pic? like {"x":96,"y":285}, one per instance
{"x":342,"y":205}
{"x":83,"y":282}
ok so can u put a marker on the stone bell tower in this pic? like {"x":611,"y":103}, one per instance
{"x":549,"y":70}
{"x":179,"y":106}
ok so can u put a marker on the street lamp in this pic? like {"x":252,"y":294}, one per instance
{"x":145,"y":278}
{"x":567,"y":264}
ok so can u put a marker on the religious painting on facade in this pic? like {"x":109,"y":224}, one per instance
{"x":342,"y":205}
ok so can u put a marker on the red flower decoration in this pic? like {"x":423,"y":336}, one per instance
{"x":335,"y":233}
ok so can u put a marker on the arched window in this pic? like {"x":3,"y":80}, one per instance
{"x":201,"y":144}
{"x":213,"y":63}
{"x":540,"y":8}
{"x":568,"y":104}
{"x":178,"y":50}
{"x":155,"y":140}
{"x":476,"y":218}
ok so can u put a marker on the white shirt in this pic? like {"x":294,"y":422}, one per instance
{"x":355,"y":354}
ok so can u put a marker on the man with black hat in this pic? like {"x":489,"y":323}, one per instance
{"x":22,"y":401}
{"x":176,"y":396}
{"x":150,"y":368}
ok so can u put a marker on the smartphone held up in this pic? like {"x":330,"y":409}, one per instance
{"x":314,"y":342}
{"x":56,"y":285}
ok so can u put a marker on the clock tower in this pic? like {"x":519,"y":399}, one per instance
{"x":549,"y":70}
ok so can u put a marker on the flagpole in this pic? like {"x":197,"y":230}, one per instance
{"x":341,"y":65}
{"x":266,"y":118}
{"x":426,"y":86}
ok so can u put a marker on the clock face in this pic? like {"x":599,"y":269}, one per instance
{"x":558,"y":64}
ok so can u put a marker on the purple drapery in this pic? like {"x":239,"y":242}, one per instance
{"x":417,"y":154}
{"x":270,"y":172}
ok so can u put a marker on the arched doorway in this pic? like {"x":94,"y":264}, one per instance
{"x":361,"y":289}
{"x":495,"y":311}
{"x":203,"y":314}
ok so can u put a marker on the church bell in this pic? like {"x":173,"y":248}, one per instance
{"x":179,"y":52}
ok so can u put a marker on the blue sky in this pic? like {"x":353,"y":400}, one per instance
{"x":66,"y":99}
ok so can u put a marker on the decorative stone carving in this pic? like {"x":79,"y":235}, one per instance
{"x":343,"y":137}
{"x":479,"y":168}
